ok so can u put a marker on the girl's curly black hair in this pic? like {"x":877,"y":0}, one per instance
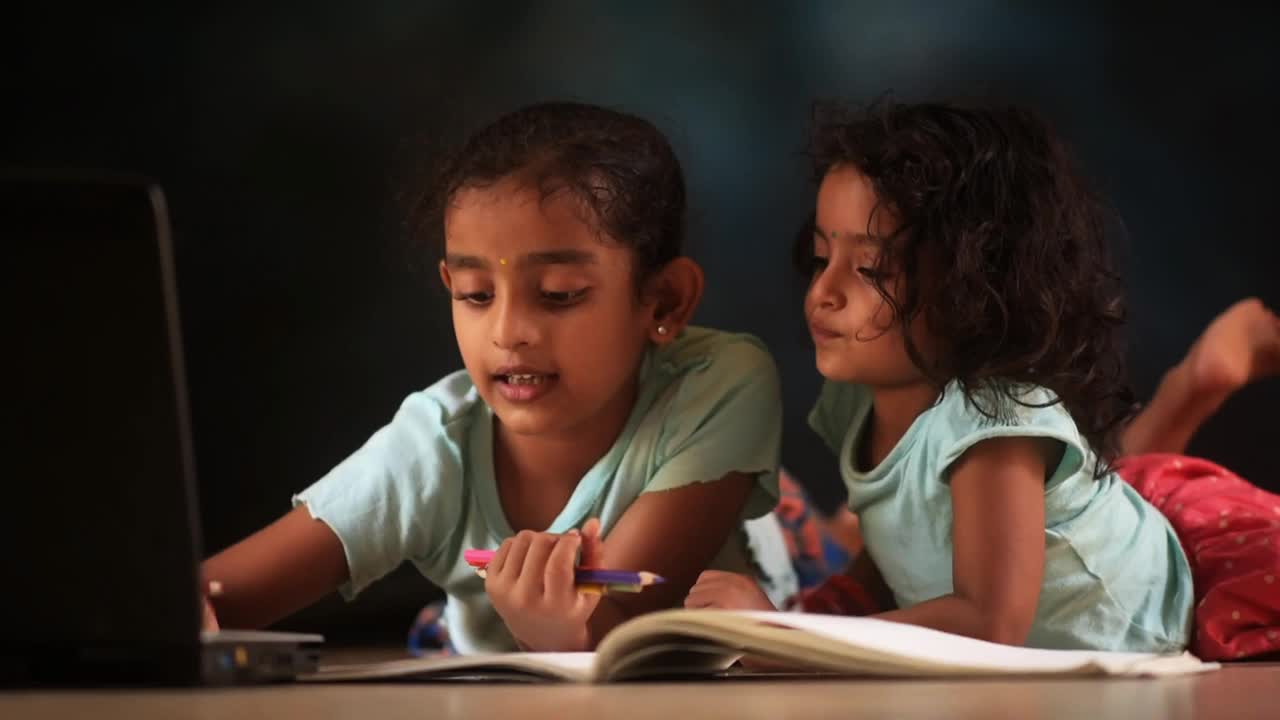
{"x":1020,"y":289}
{"x":620,"y":167}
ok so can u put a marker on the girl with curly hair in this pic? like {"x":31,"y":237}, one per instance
{"x":966,"y":316}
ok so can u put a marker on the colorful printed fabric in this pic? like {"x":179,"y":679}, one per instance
{"x":429,"y":635}
{"x":815,"y":554}
{"x":1230,"y":531}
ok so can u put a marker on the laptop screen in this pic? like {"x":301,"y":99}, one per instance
{"x":98,"y":517}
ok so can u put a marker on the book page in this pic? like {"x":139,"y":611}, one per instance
{"x":665,"y":658}
{"x":923,"y":646}
{"x":568,"y":666}
{"x":858,"y":646}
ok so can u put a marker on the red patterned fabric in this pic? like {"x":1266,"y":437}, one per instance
{"x":838,"y":595}
{"x":1230,"y":531}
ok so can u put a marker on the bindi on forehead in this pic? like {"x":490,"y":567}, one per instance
{"x":544,"y":258}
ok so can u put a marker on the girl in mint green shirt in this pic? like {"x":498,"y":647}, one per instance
{"x":965,"y":315}
{"x":591,"y":419}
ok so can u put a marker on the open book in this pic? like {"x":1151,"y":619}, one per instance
{"x":691,"y":643}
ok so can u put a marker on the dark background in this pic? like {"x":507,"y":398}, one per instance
{"x":284,"y":133}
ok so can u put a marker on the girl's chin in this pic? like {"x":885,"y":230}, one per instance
{"x":833,"y":370}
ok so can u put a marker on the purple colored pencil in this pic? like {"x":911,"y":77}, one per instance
{"x":615,"y":577}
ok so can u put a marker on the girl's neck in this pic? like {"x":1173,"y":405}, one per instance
{"x":537,"y":474}
{"x":893,"y":409}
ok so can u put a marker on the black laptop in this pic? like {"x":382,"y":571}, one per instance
{"x":98,"y":518}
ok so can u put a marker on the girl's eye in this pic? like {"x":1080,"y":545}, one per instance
{"x":872,"y":275}
{"x":564,"y":298}
{"x":475,"y":298}
{"x":817,"y":264}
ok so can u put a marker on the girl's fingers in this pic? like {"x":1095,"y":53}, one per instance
{"x":592,"y":545}
{"x":558,"y":575}
{"x":499,"y":560}
{"x":510,"y":571}
{"x":535,"y":561}
{"x":700,"y":598}
{"x":714,"y":576}
{"x":210,"y":621}
{"x":585,"y":604}
{"x":713,"y":588}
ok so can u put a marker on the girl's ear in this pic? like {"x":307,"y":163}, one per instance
{"x":676,"y":290}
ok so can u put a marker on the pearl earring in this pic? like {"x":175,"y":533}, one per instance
{"x":662,"y":329}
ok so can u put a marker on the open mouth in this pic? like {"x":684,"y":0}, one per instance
{"x":524,"y":386}
{"x":523,"y":379}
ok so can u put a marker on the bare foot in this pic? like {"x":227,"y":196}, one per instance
{"x":1240,"y":346}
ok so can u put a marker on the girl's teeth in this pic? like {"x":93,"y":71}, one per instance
{"x":524,"y":379}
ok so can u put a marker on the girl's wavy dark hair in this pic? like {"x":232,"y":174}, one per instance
{"x":1019,"y":287}
{"x":620,"y":167}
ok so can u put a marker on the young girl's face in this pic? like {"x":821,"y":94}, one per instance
{"x":855,"y":334}
{"x":546,"y":314}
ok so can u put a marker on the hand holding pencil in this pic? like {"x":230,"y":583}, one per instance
{"x":587,"y":580}
{"x":532,"y":580}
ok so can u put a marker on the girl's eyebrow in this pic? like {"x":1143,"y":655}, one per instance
{"x":559,"y":257}
{"x":860,"y":238}
{"x":455,"y":261}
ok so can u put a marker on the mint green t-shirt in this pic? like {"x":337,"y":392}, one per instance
{"x":422,"y":488}
{"x":1115,"y":577}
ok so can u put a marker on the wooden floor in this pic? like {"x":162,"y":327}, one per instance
{"x":1240,"y":691}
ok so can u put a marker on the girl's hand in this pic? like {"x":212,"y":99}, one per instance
{"x":209,"y":620}
{"x":531,"y":584}
{"x":727,"y":591}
